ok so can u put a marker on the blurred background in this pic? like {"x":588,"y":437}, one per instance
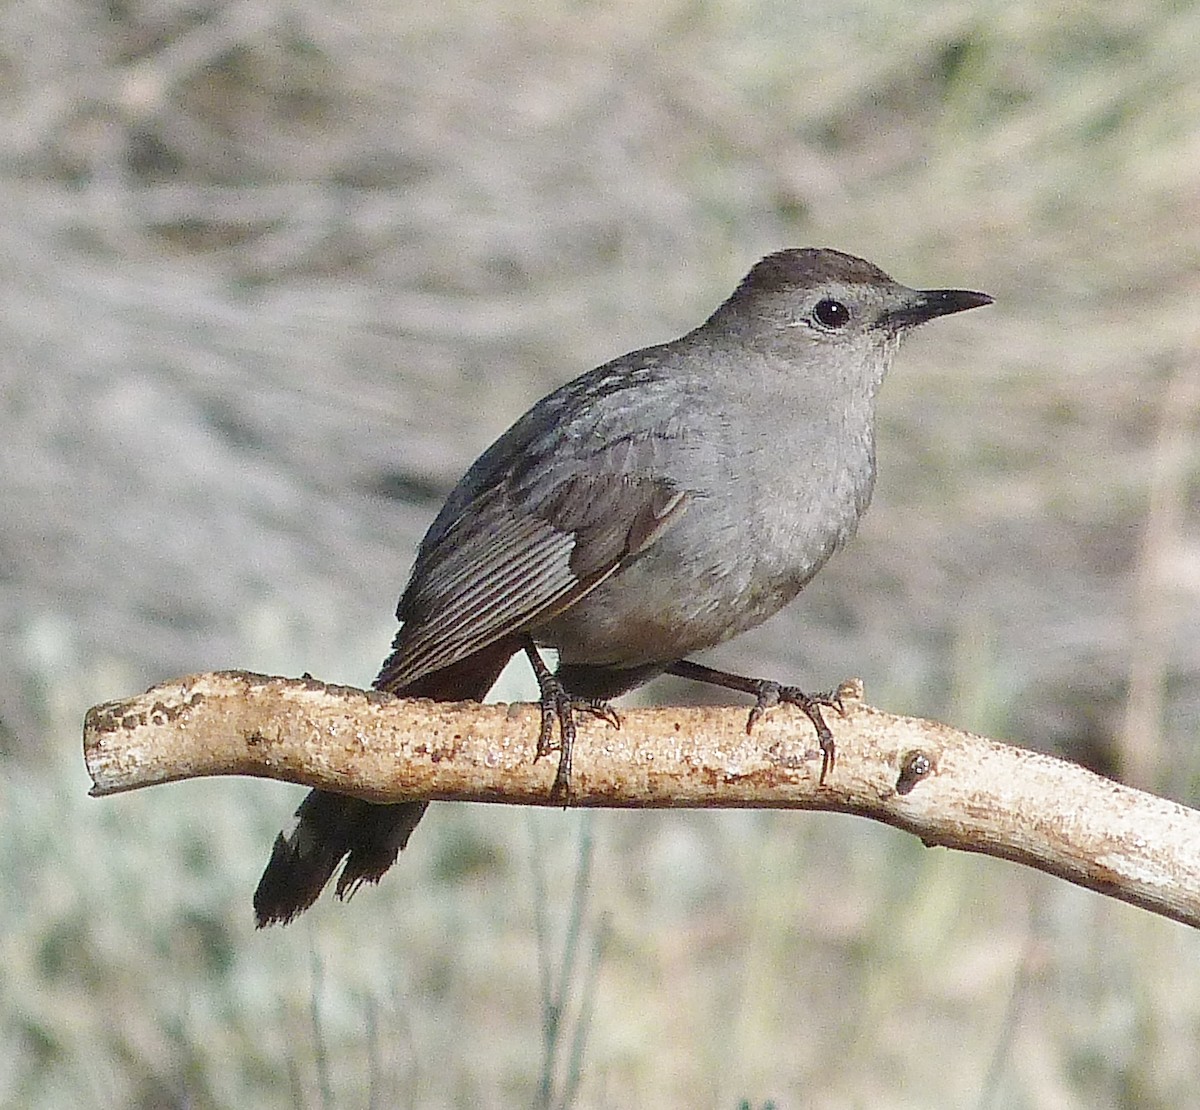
{"x":274,"y":272}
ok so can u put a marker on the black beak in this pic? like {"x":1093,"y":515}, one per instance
{"x":927,"y":304}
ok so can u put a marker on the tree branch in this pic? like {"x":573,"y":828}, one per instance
{"x":950,"y":788}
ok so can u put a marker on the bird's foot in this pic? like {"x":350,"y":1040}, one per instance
{"x":598,"y":708}
{"x":559,"y":707}
{"x":770,"y":694}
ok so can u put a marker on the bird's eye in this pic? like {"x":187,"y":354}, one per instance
{"x":831,"y":314}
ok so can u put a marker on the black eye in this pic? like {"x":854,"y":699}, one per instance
{"x":831,"y":313}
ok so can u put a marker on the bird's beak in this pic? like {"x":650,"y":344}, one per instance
{"x":926,"y":304}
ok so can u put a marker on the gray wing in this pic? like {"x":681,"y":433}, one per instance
{"x":552,"y":509}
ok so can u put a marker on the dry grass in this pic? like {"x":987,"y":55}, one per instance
{"x":275,"y":273}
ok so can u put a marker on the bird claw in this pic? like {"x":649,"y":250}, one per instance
{"x":771,"y":694}
{"x":599,"y":709}
{"x":557,"y":705}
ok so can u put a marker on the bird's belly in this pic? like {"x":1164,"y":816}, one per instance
{"x":724,"y":567}
{"x":664,"y":606}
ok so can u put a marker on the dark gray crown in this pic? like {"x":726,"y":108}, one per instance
{"x":809,"y":266}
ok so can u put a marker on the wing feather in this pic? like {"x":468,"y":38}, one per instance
{"x":552,"y":509}
{"x":502,"y":568}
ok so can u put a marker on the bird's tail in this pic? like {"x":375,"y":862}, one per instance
{"x":368,"y":836}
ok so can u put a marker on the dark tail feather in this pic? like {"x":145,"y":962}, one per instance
{"x":368,"y":836}
{"x":330,"y":828}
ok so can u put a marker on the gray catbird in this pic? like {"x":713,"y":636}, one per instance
{"x":652,"y":508}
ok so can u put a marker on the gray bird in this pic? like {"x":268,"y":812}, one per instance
{"x":654,"y":507}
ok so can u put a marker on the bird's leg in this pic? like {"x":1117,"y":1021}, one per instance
{"x":558,"y":705}
{"x":767,"y":694}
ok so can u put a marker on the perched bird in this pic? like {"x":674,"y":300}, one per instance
{"x":652,"y":508}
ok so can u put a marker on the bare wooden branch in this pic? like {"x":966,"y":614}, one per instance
{"x":950,"y":788}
